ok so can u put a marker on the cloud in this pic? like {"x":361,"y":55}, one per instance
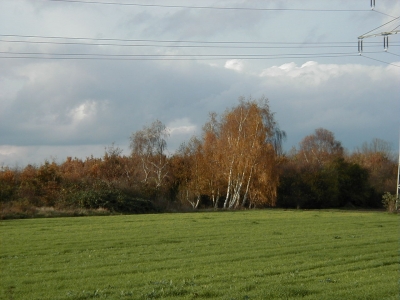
{"x":50,"y":103}
{"x":310,"y":73}
{"x":83,"y":111}
{"x":20,"y":156}
{"x":62,"y":107}
{"x":181,"y":126}
{"x":349,"y":99}
{"x":180,"y":130}
{"x":315,"y":74}
{"x":188,"y":23}
{"x":234,"y":64}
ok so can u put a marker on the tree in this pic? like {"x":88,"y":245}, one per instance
{"x":303,"y":185}
{"x":353,"y":184}
{"x":378,"y":157}
{"x":235,"y":159}
{"x":320,"y":148}
{"x":49,"y":178}
{"x":193,"y":172}
{"x":248,"y":142}
{"x":149,"y":146}
{"x":212,"y":159}
{"x":7,"y":184}
{"x":115,"y":168}
{"x":318,"y":175}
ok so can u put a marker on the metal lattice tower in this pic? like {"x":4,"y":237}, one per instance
{"x":385,"y":39}
{"x":385,"y":35}
{"x":398,"y":181}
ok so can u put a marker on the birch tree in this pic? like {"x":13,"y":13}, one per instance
{"x":247,"y":139}
{"x":212,"y":159}
{"x":192,"y":172}
{"x":235,"y":160}
{"x":149,"y":146}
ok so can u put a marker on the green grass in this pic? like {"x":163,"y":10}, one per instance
{"x":263,"y":254}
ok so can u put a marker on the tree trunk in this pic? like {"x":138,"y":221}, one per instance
{"x":229,"y":184}
{"x":197,"y":202}
{"x":247,"y":187}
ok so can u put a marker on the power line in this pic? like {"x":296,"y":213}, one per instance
{"x":395,"y":28}
{"x":84,"y":41}
{"x":168,"y":57}
{"x":379,"y":12}
{"x":206,"y":45}
{"x":55,"y":40}
{"x":392,"y":53}
{"x":363,"y":35}
{"x":175,"y":55}
{"x":165,"y":41}
{"x":210,"y":7}
{"x":385,"y":62}
{"x":192,"y":44}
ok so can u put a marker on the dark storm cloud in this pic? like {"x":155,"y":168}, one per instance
{"x":76,"y":107}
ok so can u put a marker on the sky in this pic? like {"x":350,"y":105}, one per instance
{"x":78,"y":77}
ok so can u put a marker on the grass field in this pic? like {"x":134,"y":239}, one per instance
{"x":261,"y":254}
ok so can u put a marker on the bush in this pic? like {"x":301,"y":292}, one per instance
{"x":102,"y":195}
{"x":17,"y":209}
{"x":389,"y":201}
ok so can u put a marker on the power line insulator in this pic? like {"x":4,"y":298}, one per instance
{"x":360,"y":46}
{"x":372,"y":4}
{"x":385,"y":42}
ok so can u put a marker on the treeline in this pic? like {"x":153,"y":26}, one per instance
{"x":237,"y":162}
{"x":320,"y":174}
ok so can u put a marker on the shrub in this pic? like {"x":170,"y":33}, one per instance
{"x":389,"y":201}
{"x":17,"y":209}
{"x":100,"y":195}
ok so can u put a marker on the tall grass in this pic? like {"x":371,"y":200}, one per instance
{"x":265,"y":254}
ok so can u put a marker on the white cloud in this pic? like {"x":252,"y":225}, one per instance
{"x":7,"y":150}
{"x":20,"y":156}
{"x":310,"y":73}
{"x":349,"y":99}
{"x":50,"y":106}
{"x":83,"y":111}
{"x":181,"y":126}
{"x":234,"y":64}
{"x":180,"y":130}
{"x":313,"y":74}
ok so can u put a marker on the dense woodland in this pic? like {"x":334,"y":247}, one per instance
{"x":237,"y":162}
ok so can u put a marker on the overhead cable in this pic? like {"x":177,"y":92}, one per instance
{"x":392,"y":53}
{"x":385,"y":62}
{"x":206,"y":45}
{"x":208,"y":7}
{"x":363,"y":35}
{"x":176,"y":55}
{"x":83,"y":41}
{"x":163,"y":41}
{"x":16,"y":55}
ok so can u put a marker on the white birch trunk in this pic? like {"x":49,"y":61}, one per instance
{"x":197,"y":202}
{"x":236,"y":192}
{"x":145,"y":170}
{"x":247,"y":187}
{"x":229,"y":184}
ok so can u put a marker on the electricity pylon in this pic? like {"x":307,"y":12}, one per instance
{"x":398,"y":180}
{"x":385,"y":35}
